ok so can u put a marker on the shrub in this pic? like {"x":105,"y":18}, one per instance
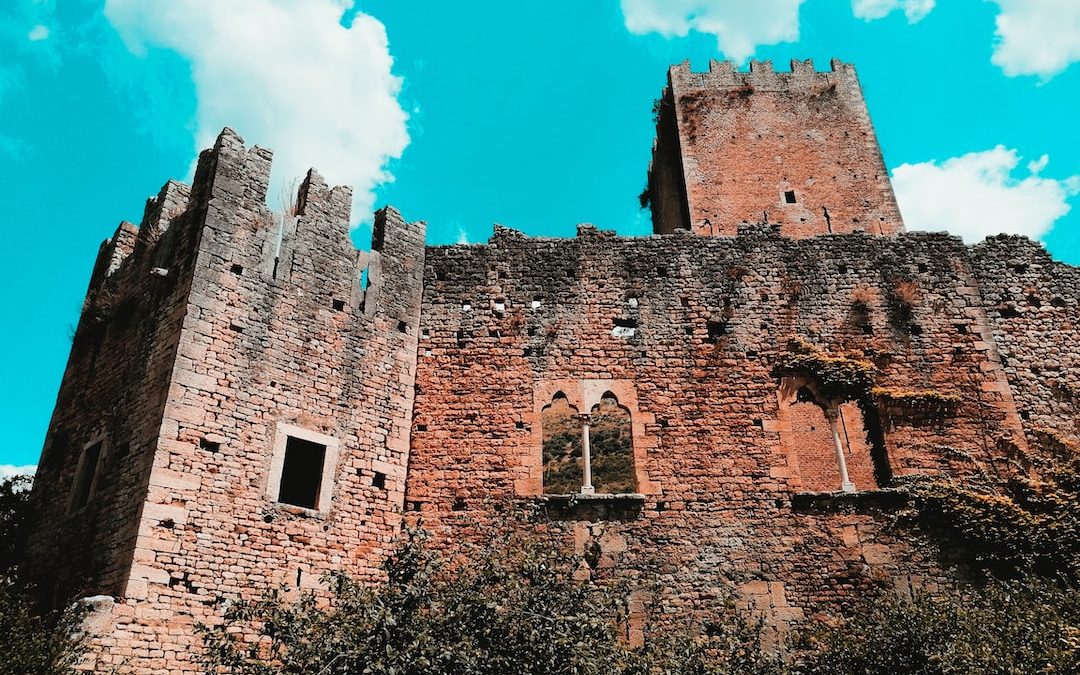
{"x":512,"y":608}
{"x":33,"y":643}
{"x":1020,"y":626}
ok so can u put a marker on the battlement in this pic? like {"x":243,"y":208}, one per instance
{"x":801,"y":78}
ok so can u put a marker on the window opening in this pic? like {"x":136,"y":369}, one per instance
{"x":789,"y":196}
{"x":84,"y":478}
{"x":563,"y":462}
{"x":611,"y":447}
{"x":301,"y":473}
{"x":590,"y":453}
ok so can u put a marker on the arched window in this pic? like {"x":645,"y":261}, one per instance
{"x":812,"y":446}
{"x":611,"y":446}
{"x":563,"y":462}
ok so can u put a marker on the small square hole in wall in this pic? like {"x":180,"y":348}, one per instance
{"x":301,"y":473}
{"x":402,"y":326}
{"x":339,"y":305}
{"x":466,"y":306}
{"x":412,"y":506}
{"x":440,"y":275}
{"x":717,"y":330}
{"x":237,"y":269}
{"x":536,"y":302}
{"x":459,"y":504}
{"x":519,"y":424}
{"x":500,"y":306}
{"x":378,"y":481}
{"x":208,"y":445}
{"x":789,"y":196}
{"x":421,"y":427}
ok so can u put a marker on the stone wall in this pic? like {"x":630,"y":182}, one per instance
{"x":278,"y":340}
{"x":740,"y":141}
{"x":1033,"y":303}
{"x":684,"y":330}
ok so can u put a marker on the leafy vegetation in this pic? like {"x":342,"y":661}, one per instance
{"x":1034,"y":526}
{"x":514,"y":607}
{"x":837,"y":378}
{"x":1019,"y":626}
{"x":925,"y":401}
{"x":31,"y":642}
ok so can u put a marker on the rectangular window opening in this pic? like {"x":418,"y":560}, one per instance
{"x":789,"y":196}
{"x":237,"y":269}
{"x":378,"y":481}
{"x":208,"y":445}
{"x":339,"y":305}
{"x":301,"y":473}
{"x":84,"y":479}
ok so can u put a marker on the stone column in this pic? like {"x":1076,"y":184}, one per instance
{"x":845,"y":483}
{"x":586,"y":454}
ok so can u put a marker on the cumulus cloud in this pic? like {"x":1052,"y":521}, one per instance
{"x":739,"y":27}
{"x":1037,"y":37}
{"x":8,"y":470}
{"x":288,"y":76}
{"x":38,"y":33}
{"x":869,"y":10}
{"x":979,"y":194}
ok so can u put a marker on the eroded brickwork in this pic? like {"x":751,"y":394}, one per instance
{"x":1033,"y":306}
{"x":795,"y":148}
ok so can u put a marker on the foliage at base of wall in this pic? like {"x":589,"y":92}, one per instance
{"x":510,"y":609}
{"x":1028,"y":625}
{"x":32,"y":643}
{"x":1033,"y":526}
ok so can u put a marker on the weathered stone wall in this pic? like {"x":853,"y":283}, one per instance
{"x":684,"y":330}
{"x":744,"y":139}
{"x":1033,"y":303}
{"x":278,"y":338}
{"x":113,"y":392}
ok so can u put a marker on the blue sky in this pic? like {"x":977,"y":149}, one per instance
{"x":533,"y":115}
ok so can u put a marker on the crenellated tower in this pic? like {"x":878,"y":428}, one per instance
{"x":795,"y":149}
{"x":240,"y":381}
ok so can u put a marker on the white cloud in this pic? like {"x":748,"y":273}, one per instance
{"x":8,"y":470}
{"x":869,"y":10}
{"x":978,"y":194}
{"x":1037,"y":37}
{"x":38,"y":33}
{"x":288,"y":76}
{"x":739,"y":26}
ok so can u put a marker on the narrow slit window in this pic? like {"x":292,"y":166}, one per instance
{"x":301,"y":473}
{"x":84,"y":478}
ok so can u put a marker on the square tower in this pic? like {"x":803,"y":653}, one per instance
{"x":795,"y":149}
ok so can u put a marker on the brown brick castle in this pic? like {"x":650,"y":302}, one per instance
{"x":251,"y":401}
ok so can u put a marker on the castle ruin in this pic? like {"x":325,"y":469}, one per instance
{"x":251,"y":401}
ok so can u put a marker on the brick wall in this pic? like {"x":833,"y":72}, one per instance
{"x":691,"y":326}
{"x":731,"y":144}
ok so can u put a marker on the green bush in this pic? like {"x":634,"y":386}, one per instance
{"x":1029,"y":625}
{"x":514,"y":608}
